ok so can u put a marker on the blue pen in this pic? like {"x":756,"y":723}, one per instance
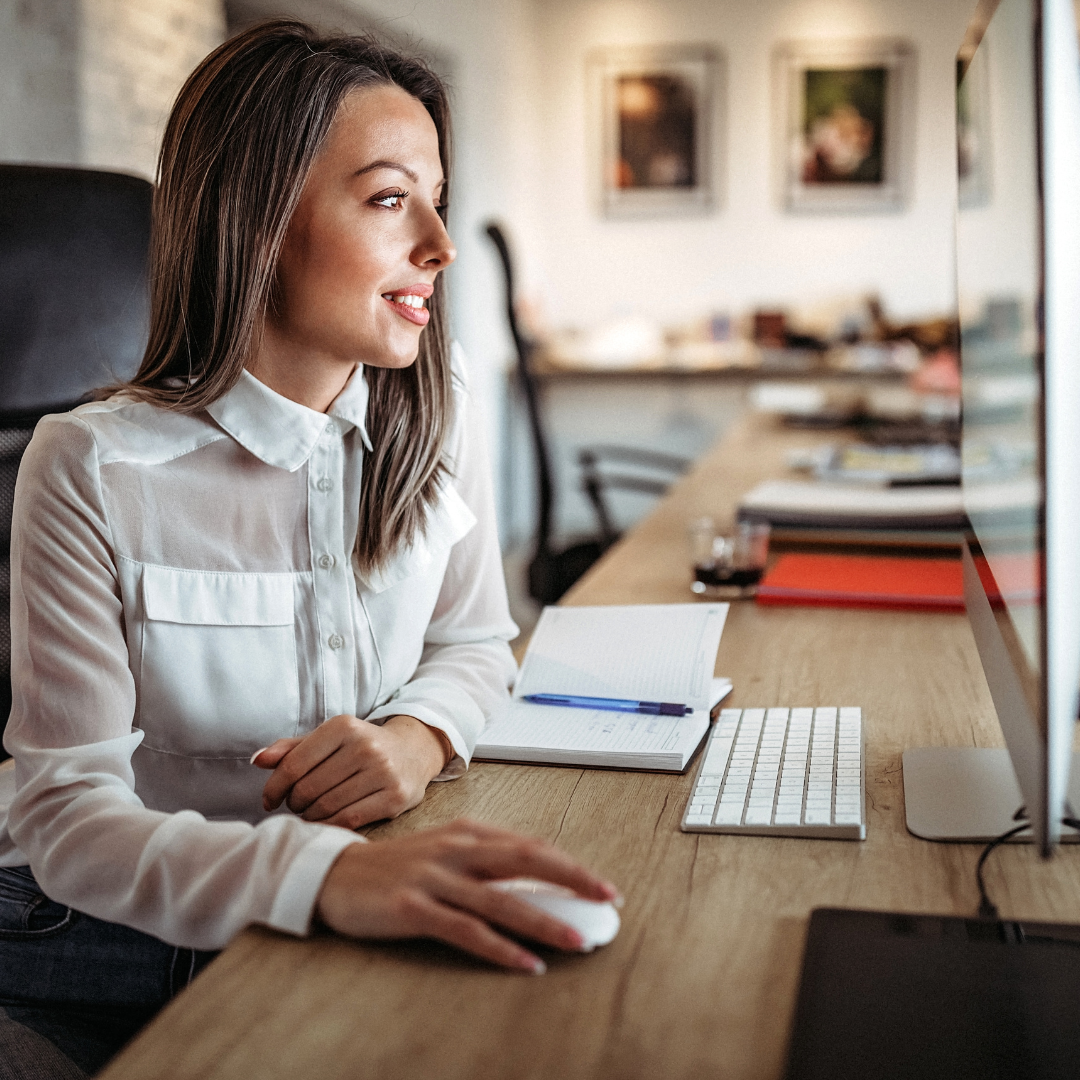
{"x":574,"y":701}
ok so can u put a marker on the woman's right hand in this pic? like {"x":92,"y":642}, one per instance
{"x":432,"y":884}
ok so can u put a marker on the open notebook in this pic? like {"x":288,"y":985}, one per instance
{"x":648,"y":652}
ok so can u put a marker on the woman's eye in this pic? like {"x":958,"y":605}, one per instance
{"x":392,"y":200}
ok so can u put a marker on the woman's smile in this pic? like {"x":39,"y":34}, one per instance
{"x":409,"y":302}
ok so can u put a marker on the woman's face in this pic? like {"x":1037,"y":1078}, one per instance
{"x":366,"y":242}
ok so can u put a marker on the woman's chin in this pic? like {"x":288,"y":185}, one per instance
{"x":394,"y":354}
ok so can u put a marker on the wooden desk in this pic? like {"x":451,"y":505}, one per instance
{"x":701,"y":980}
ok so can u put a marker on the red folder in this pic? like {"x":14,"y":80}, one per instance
{"x":864,"y":581}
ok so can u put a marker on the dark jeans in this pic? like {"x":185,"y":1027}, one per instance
{"x":85,"y":985}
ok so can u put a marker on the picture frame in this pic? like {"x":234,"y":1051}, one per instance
{"x":657,"y":129}
{"x":844,"y":123}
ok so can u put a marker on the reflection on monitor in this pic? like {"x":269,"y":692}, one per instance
{"x":1018,"y":275}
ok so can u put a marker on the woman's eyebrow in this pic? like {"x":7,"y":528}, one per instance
{"x":381,"y":164}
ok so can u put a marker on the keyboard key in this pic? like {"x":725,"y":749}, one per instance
{"x":728,"y":815}
{"x":818,"y":816}
{"x":758,"y":815}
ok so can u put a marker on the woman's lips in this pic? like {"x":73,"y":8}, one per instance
{"x":417,"y":315}
{"x":409,"y":303}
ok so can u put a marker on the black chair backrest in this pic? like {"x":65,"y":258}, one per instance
{"x":528,"y":385}
{"x":74,"y":307}
{"x":73,"y":272}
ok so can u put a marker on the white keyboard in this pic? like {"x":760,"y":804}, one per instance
{"x":782,"y":772}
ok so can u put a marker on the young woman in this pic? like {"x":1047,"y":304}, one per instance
{"x":273,"y":549}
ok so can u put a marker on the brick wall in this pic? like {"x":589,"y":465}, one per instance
{"x":134,"y":57}
{"x":90,"y":82}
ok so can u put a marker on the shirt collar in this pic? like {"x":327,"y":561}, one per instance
{"x":351,"y":404}
{"x":282,"y":432}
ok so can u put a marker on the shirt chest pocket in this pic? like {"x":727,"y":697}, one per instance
{"x":217,"y":670}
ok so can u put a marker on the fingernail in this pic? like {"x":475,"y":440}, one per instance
{"x":256,"y":754}
{"x":535,"y":965}
{"x":614,"y":896}
{"x":574,"y":940}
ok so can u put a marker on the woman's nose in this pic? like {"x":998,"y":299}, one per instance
{"x":436,"y":250}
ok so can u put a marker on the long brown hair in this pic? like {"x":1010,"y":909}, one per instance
{"x":237,"y":150}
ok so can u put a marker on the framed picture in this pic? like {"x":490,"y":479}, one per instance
{"x":657,"y":129}
{"x":973,"y":131}
{"x":844,"y":124}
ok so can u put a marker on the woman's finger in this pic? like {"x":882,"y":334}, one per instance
{"x":507,"y":911}
{"x":378,"y":806}
{"x":269,"y":756}
{"x":497,"y":854}
{"x":474,"y":936}
{"x":346,"y":763}
{"x":353,"y":789}
{"x":300,"y":760}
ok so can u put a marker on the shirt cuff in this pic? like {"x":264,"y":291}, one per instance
{"x":458,"y":765}
{"x":294,"y":903}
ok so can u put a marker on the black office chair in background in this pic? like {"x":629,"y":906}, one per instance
{"x":552,"y":571}
{"x":74,"y":312}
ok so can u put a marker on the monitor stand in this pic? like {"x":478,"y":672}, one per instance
{"x":966,"y":793}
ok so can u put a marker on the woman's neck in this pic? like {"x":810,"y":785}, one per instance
{"x":308,"y":377}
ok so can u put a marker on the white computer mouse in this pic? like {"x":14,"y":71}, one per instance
{"x":596,"y":921}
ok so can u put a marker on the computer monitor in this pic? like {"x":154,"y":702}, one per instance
{"x":1018,"y":284}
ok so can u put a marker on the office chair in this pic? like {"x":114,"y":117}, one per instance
{"x":74,"y":311}
{"x":551,"y":572}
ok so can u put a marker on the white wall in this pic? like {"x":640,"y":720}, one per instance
{"x":39,"y":113}
{"x":586,"y":269}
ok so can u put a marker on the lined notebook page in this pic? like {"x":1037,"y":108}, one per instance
{"x":647,"y":652}
{"x":547,"y":727}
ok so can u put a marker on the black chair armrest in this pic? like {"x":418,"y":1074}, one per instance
{"x":631,"y":455}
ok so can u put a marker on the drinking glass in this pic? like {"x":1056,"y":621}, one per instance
{"x":728,"y":564}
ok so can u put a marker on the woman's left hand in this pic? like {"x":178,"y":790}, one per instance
{"x":348,"y":772}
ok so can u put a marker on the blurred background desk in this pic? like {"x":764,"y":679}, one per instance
{"x":701,"y":980}
{"x":673,"y":409}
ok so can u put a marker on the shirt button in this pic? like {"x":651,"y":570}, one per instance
{"x":335,"y":641}
{"x":325,"y":484}
{"x":326,"y":561}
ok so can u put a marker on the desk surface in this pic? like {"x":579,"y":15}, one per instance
{"x":776,"y":365}
{"x":702,"y":978}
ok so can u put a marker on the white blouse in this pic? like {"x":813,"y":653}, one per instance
{"x":183,"y":594}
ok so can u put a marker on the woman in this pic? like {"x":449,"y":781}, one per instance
{"x":273,"y":549}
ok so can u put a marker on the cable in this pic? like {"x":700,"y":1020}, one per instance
{"x":987,"y":908}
